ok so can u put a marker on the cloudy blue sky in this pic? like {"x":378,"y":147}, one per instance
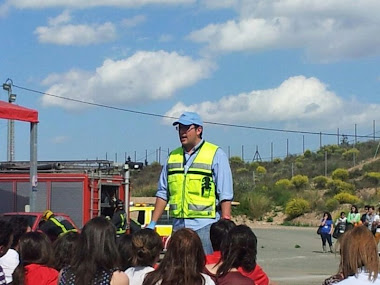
{"x":310,"y":66}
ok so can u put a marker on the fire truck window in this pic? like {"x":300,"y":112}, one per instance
{"x":108,"y":198}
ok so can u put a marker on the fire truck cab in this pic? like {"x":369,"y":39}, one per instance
{"x":81,"y":189}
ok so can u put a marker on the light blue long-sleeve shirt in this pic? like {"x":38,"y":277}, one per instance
{"x":222,"y":177}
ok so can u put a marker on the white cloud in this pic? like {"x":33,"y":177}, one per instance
{"x":63,"y":18}
{"x":297,"y":102}
{"x":4,"y":8}
{"x":134,"y":21}
{"x":165,"y":38}
{"x":59,"y":139}
{"x":219,"y":4}
{"x":144,"y":76}
{"x":60,"y":32}
{"x":328,"y":30}
{"x":38,"y":4}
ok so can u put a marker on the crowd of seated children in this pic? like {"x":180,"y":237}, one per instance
{"x":96,"y":256}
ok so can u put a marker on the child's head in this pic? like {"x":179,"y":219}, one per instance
{"x":64,"y":248}
{"x":239,"y":249}
{"x":146,"y":247}
{"x":354,"y":257}
{"x":342,"y":214}
{"x":219,"y":231}
{"x":35,"y":247}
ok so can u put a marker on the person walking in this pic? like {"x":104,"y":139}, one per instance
{"x":326,"y":231}
{"x":196,"y":181}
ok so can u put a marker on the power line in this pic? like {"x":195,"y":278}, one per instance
{"x":170,"y":117}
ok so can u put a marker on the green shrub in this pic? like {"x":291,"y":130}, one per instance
{"x":236,"y":162}
{"x":261,"y":170}
{"x":340,"y":173}
{"x":280,"y":195}
{"x":254,"y":165}
{"x":320,"y":181}
{"x":299,"y":165}
{"x":307,"y":153}
{"x":242,"y":171}
{"x":373,"y":177}
{"x":337,"y":186}
{"x":299,"y":181}
{"x":349,"y":154}
{"x":277,"y":160}
{"x":332,"y":204}
{"x":285,"y":183}
{"x":355,"y":173}
{"x":254,"y":205}
{"x":345,"y":197}
{"x":296,"y":207}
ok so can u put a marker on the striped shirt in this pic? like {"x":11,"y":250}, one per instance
{"x":2,"y":276}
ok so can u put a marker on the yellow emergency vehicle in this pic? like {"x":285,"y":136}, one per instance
{"x":142,"y":213}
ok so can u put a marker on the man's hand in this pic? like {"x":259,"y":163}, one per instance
{"x":151,"y":225}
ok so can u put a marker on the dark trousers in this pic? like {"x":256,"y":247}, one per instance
{"x":326,"y":237}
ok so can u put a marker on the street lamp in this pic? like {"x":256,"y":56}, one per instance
{"x":7,"y":86}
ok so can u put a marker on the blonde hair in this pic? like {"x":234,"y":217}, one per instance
{"x":358,"y":250}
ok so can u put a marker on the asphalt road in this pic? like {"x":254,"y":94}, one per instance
{"x":293,"y":255}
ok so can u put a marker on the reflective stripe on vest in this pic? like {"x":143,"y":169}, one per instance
{"x":61,"y":226}
{"x":121,"y":229}
{"x":192,"y":195}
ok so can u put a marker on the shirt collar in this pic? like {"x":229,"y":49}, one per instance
{"x":194,"y":149}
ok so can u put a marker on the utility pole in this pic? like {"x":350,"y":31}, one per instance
{"x":7,"y":86}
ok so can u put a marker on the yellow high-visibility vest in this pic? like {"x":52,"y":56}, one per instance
{"x":60,"y":225}
{"x":121,"y":229}
{"x":192,"y":195}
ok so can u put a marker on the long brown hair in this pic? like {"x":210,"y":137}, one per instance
{"x":238,"y":249}
{"x":96,"y":251}
{"x":183,"y":262}
{"x":34,"y":248}
{"x":358,"y":249}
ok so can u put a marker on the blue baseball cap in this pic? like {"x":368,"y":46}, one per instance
{"x":189,"y":118}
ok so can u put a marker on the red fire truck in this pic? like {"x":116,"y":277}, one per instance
{"x":82,"y":189}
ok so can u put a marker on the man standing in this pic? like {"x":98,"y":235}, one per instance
{"x":119,"y":218}
{"x":196,"y":181}
{"x":370,"y":219}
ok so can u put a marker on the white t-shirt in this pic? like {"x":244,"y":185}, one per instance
{"x":208,"y":280}
{"x":9,"y":262}
{"x":377,"y":220}
{"x":360,"y":279}
{"x":137,"y":274}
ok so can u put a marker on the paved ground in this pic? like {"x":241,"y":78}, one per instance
{"x":287,"y":265}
